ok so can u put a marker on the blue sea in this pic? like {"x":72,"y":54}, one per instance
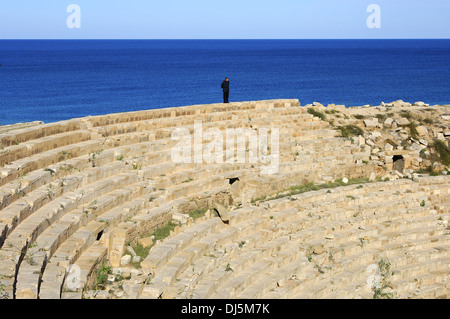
{"x":53,"y":80}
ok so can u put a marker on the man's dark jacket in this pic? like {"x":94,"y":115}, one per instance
{"x":226,"y":86}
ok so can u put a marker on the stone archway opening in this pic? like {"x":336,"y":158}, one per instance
{"x":398,"y":163}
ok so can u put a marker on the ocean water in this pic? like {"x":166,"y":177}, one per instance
{"x":53,"y":80}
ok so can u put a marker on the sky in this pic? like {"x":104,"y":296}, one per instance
{"x":224,"y":19}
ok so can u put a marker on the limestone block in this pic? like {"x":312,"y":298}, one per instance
{"x":361,"y":141}
{"x":131,"y":251}
{"x":320,"y":105}
{"x":136,"y":259}
{"x":420,"y":103}
{"x":180,"y":218}
{"x":388,"y":147}
{"x":319,"y":250}
{"x":388,"y":122}
{"x":400,"y":175}
{"x":398,"y":103}
{"x":422,"y":130}
{"x":152,"y":292}
{"x":371,"y":122}
{"x":402,"y":121}
{"x":145,"y":242}
{"x":374,"y":136}
{"x":125,"y":260}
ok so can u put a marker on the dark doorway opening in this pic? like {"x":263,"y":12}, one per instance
{"x":399,"y":163}
{"x":99,"y":235}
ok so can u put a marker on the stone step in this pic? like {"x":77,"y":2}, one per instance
{"x":443,"y":208}
{"x":434,"y":291}
{"x":42,"y":160}
{"x":19,"y":210}
{"x":267,"y":282}
{"x":27,"y":231}
{"x":202,"y":289}
{"x":213,"y":280}
{"x":162,"y":253}
{"x":439,"y":200}
{"x":346,"y":275}
{"x":173,"y":113}
{"x":220,"y":120}
{"x":358,"y":257}
{"x":433,"y":180}
{"x":29,"y":148}
{"x":88,"y":263}
{"x":355,"y":276}
{"x":281,"y":181}
{"x":177,"y":264}
{"x":64,"y":170}
{"x":25,"y":134}
{"x":295,"y":222}
{"x":260,"y":274}
{"x":208,"y":243}
{"x":402,"y":288}
{"x":51,"y":239}
{"x":409,"y":288}
{"x":77,"y":161}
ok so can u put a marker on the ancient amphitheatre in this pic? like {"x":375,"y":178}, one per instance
{"x":96,"y":208}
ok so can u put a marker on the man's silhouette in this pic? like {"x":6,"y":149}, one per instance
{"x":226,"y":90}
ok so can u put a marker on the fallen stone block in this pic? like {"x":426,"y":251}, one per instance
{"x":371,"y":123}
{"x":319,"y":250}
{"x":402,"y":121}
{"x":125,"y":260}
{"x":388,"y":122}
{"x":145,"y":242}
{"x":422,"y":130}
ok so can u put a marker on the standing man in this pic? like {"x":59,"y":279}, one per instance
{"x":226,"y":90}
